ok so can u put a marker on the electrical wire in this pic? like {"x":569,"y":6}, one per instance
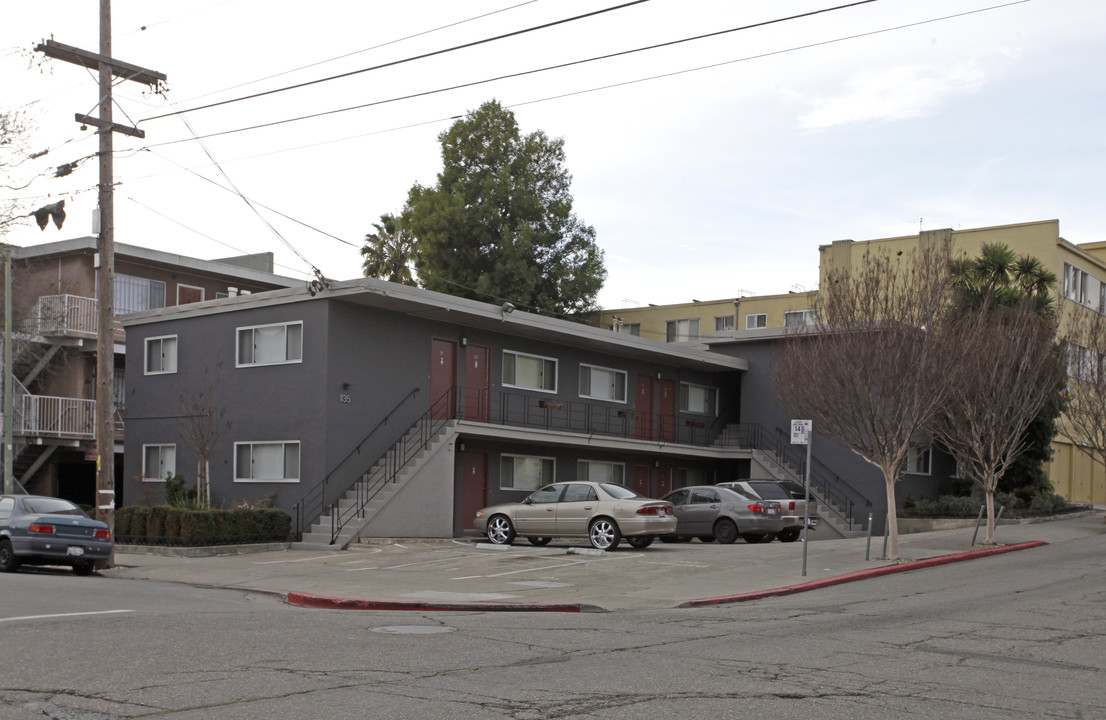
{"x":364,"y":50}
{"x":523,"y":73}
{"x":393,"y":63}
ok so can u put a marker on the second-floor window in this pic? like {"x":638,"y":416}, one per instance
{"x":602,"y":383}
{"x":755,"y":321}
{"x":135,"y":294}
{"x":698,"y":399}
{"x":798,"y":318}
{"x":161,"y":355}
{"x":270,"y":344}
{"x":530,"y":372}
{"x":724,"y":322}
{"x":681,"y":330}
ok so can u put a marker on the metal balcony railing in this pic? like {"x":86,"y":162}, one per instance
{"x":66,"y":315}
{"x":59,"y":417}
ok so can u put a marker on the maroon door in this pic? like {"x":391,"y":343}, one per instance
{"x":478,"y":381}
{"x":474,"y":486}
{"x":664,"y":481}
{"x":643,"y":476}
{"x":667,"y":415}
{"x":643,"y":406}
{"x":443,"y":377}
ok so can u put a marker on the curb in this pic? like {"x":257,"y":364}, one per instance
{"x":309,"y":600}
{"x":860,"y":575}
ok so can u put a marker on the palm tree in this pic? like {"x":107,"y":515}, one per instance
{"x":999,"y":277}
{"x":390,"y":252}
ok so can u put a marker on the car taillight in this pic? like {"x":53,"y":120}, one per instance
{"x":653,"y":510}
{"x":757,"y":508}
{"x":103,"y":534}
{"x":791,"y":505}
{"x":42,"y":528}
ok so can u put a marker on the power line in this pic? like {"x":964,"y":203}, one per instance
{"x":475,"y":43}
{"x":365,"y":50}
{"x":522,"y":73}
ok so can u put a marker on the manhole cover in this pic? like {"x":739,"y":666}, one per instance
{"x":414,"y":629}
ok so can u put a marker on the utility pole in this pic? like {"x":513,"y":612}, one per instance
{"x":105,"y":276}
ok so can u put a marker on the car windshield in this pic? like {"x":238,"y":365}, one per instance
{"x":51,"y":506}
{"x":619,"y":492}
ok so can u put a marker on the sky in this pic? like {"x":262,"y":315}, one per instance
{"x":710,"y":169}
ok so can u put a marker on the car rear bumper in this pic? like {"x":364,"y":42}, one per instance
{"x":59,"y":550}
{"x":647,"y":525}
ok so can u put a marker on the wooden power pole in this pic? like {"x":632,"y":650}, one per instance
{"x":108,"y":68}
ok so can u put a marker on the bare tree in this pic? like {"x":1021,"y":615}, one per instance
{"x":202,"y":423}
{"x":1005,"y":366}
{"x":1084,"y":421}
{"x":870,"y":371}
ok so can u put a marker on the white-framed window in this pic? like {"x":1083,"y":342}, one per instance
{"x":529,"y":372}
{"x":600,"y":383}
{"x":596,"y":471}
{"x":1075,"y":283}
{"x":270,"y":344}
{"x":698,"y":399}
{"x":189,"y":294}
{"x":526,"y":472}
{"x":724,"y":322}
{"x":681,"y":330}
{"x":630,"y":328}
{"x":755,"y":321}
{"x":799,"y":318}
{"x":1083,"y":363}
{"x":918,"y":461}
{"x":267,"y":461}
{"x":134,"y":294}
{"x":158,"y":461}
{"x":161,"y":355}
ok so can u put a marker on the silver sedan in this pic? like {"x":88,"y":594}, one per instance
{"x":710,"y":513}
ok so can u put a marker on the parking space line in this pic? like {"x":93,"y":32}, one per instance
{"x":300,"y":560}
{"x":421,"y":562}
{"x":64,"y":615}
{"x":544,"y":567}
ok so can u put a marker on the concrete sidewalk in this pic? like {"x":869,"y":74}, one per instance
{"x":462,"y":574}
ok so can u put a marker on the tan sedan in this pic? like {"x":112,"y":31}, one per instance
{"x":602,"y":512}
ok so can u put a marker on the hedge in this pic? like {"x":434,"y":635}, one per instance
{"x":165,"y":525}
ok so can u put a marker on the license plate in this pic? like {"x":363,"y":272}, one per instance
{"x":661,"y":512}
{"x":775,"y":511}
{"x":74,"y":550}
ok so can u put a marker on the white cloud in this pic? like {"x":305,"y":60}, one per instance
{"x":901,"y":92}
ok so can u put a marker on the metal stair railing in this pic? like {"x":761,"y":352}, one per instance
{"x":314,"y":500}
{"x":835,"y":490}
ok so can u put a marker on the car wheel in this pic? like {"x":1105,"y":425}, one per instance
{"x":500,"y":530}
{"x":82,"y":569}
{"x":539,"y":541}
{"x":758,"y":538}
{"x":706,"y":538}
{"x":604,"y":534}
{"x":8,"y":561}
{"x":640,"y":541}
{"x":725,"y":531}
{"x":789,"y":534}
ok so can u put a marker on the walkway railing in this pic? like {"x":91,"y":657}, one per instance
{"x":64,"y":315}
{"x":46,"y":416}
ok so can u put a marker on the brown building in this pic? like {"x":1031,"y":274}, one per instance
{"x":54,"y":311}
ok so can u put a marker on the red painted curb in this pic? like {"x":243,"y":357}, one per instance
{"x":332,"y":603}
{"x":861,"y":575}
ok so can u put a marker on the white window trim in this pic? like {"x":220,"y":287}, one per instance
{"x":238,"y":360}
{"x":556,"y":372}
{"x":750,"y":316}
{"x":708,"y":388}
{"x":608,"y":463}
{"x":146,"y":448}
{"x":282,"y":443}
{"x":203,"y":293}
{"x":732,"y":322}
{"x":625,"y":384}
{"x":809,"y":317}
{"x":912,"y":456}
{"x":543,"y":481}
{"x":146,"y":355}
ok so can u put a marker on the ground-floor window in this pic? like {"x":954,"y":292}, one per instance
{"x":525,"y":472}
{"x":267,"y":461}
{"x":158,"y":461}
{"x":604,"y":472}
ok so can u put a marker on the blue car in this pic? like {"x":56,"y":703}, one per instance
{"x":37,"y":530}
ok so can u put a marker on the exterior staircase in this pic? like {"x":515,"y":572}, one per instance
{"x":834,"y":517}
{"x":344,"y":521}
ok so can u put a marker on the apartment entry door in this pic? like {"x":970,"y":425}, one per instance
{"x":474,"y":485}
{"x":478,"y":382}
{"x":667,"y":415}
{"x":443,"y":378}
{"x":643,"y":407}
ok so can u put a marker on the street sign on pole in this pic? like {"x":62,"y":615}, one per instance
{"x":801,"y":435}
{"x":800,"y":432}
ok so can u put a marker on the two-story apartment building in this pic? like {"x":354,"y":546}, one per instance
{"x":419,"y":408}
{"x":54,"y":308}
